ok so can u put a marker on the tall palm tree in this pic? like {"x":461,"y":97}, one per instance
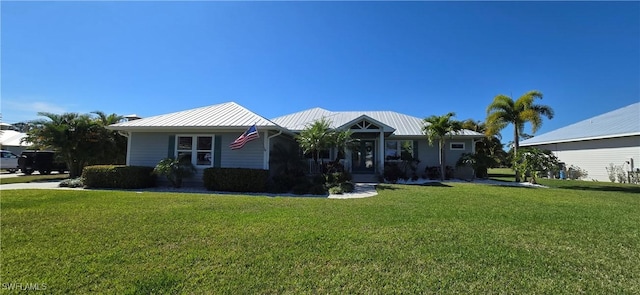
{"x":438,"y":128}
{"x":504,"y":111}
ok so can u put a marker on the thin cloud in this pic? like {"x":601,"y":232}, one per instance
{"x":18,"y":111}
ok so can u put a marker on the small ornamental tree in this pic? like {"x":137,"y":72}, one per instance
{"x":175,"y":170}
{"x":532,"y":161}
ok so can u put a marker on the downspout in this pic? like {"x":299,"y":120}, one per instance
{"x":381,"y":153}
{"x":267,"y":149}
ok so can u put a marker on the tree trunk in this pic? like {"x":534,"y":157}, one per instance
{"x":516,"y":145}
{"x":442,"y":169}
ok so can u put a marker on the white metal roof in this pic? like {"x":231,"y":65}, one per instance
{"x":13,"y":138}
{"x":231,"y":115}
{"x":618,"y":123}
{"x":224,"y":115}
{"x":400,"y":124}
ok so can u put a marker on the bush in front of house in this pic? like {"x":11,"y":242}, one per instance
{"x":72,"y":183}
{"x":347,"y":186}
{"x":301,"y":188}
{"x":317,"y":189}
{"x":118,"y":176}
{"x":336,"y":190}
{"x":236,"y":179}
{"x":392,"y":172}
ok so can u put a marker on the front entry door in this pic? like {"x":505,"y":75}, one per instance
{"x":363,"y":157}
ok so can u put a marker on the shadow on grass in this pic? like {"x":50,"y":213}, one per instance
{"x":438,"y":184}
{"x":635,"y":190}
{"x":386,"y":187}
{"x":591,"y":185}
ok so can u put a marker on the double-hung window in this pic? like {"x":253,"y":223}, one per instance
{"x":197,"y":148}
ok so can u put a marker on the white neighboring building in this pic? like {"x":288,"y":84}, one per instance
{"x":593,"y":144}
{"x":12,"y":140}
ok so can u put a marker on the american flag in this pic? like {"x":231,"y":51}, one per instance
{"x":250,"y":134}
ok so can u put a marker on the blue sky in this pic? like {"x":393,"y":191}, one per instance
{"x":275,"y":58}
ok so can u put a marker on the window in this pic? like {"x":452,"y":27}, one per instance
{"x":395,"y":149}
{"x":197,"y":148}
{"x":456,"y":146}
{"x":9,"y":155}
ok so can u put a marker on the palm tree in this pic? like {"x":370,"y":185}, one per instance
{"x":116,"y":150}
{"x":315,"y":138}
{"x":504,"y":111}
{"x":75,"y":137}
{"x":438,"y":128}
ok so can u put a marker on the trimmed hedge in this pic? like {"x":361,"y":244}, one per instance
{"x":118,"y":176}
{"x":236,"y":179}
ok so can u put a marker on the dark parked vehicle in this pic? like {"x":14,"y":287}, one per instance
{"x":42,"y":161}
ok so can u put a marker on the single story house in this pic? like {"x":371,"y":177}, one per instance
{"x":12,"y":140}
{"x":205,"y":133}
{"x":595,"y":143}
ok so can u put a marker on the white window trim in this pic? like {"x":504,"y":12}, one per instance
{"x":457,"y":149}
{"x":194,"y":148}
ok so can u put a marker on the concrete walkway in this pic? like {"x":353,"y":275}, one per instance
{"x":362,"y":190}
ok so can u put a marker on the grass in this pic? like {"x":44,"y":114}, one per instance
{"x":33,"y":178}
{"x":507,"y":174}
{"x":451,"y":238}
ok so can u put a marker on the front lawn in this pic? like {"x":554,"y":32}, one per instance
{"x":448,"y":238}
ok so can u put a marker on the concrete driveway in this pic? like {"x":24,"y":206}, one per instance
{"x":32,"y":185}
{"x":5,"y":174}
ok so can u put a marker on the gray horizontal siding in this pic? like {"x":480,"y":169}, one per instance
{"x":147,"y":149}
{"x":250,"y":156}
{"x":430,"y":156}
{"x":595,"y":155}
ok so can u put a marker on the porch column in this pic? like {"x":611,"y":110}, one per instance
{"x":381,"y":153}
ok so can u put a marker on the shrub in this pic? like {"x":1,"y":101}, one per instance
{"x":392,"y":172}
{"x":335,"y":190}
{"x":318,"y":189}
{"x":347,"y":187}
{"x":616,"y":173}
{"x":335,"y":178}
{"x":118,"y":176}
{"x":72,"y":182}
{"x":611,"y":172}
{"x":575,"y":172}
{"x":433,"y":172}
{"x":319,"y":179}
{"x":301,"y":188}
{"x":343,"y":176}
{"x":175,"y":169}
{"x":235,"y":179}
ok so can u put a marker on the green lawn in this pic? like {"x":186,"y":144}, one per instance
{"x":448,"y":238}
